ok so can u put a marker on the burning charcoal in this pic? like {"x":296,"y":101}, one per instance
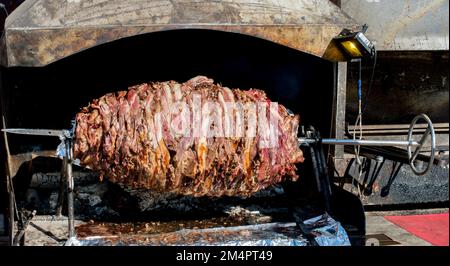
{"x":195,"y":138}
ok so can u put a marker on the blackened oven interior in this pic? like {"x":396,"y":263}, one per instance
{"x":50,"y":96}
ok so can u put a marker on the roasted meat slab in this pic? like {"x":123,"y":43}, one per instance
{"x":195,"y":138}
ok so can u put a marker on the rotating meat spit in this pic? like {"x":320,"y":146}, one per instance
{"x":310,"y":138}
{"x":409,"y":143}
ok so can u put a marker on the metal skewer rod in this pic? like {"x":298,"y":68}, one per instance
{"x":362,"y":142}
{"x":70,"y":188}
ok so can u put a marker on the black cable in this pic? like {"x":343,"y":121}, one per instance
{"x":360,"y":80}
{"x":366,"y":97}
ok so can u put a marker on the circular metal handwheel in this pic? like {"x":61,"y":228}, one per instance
{"x":412,"y":156}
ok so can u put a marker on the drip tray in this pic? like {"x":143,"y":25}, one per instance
{"x":321,"y":230}
{"x":271,"y":234}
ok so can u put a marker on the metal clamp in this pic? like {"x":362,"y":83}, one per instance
{"x":413,"y":155}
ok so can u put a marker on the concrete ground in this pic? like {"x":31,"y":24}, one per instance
{"x":48,"y":231}
{"x":51,"y":231}
{"x":381,"y":232}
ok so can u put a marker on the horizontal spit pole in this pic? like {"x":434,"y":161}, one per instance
{"x":357,"y":142}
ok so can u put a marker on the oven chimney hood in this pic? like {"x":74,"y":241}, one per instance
{"x":40,"y":32}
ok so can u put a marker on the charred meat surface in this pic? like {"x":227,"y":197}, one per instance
{"x":195,"y":138}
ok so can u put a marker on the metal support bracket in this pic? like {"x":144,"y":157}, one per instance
{"x":66,"y":137}
{"x":320,"y":169}
{"x":70,"y":187}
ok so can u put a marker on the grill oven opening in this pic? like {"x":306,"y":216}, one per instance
{"x":50,"y":96}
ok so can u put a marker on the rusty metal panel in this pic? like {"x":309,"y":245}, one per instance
{"x":338,"y":120}
{"x":403,"y":24}
{"x":42,"y":31}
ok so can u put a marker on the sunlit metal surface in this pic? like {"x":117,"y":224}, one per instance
{"x":40,"y":32}
{"x":403,"y":24}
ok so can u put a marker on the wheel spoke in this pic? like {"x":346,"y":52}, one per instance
{"x":421,"y":142}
